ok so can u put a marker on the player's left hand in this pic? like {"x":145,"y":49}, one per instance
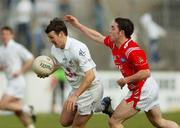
{"x":40,"y":76}
{"x":71,"y":102}
{"x":16,"y":74}
{"x":72,"y":20}
{"x":121,"y":82}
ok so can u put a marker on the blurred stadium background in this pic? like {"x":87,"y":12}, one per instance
{"x":29,"y":19}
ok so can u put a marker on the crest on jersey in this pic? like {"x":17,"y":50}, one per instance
{"x":82,"y":53}
{"x":140,"y":59}
{"x":123,"y":60}
{"x":70,"y":63}
{"x":64,"y":59}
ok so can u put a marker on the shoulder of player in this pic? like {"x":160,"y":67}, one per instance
{"x":131,"y":46}
{"x":17,"y":45}
{"x":76,"y":45}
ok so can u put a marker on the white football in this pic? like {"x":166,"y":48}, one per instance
{"x":43,"y":65}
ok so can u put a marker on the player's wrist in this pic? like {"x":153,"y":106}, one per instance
{"x":76,"y":95}
{"x":126,"y":80}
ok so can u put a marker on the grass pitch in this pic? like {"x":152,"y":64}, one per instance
{"x":97,"y":121}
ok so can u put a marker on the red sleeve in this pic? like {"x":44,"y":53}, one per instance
{"x":139,"y":59}
{"x":108,"y":42}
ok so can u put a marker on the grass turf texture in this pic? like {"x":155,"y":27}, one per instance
{"x":97,"y":121}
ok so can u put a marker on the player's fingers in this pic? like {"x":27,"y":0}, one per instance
{"x":69,"y":18}
{"x":73,"y":106}
{"x":68,"y":106}
{"x":65,"y":104}
{"x":40,"y":76}
{"x":66,"y":17}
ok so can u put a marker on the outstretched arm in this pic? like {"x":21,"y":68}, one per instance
{"x":89,"y":32}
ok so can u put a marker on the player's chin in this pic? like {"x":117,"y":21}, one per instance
{"x":56,"y":45}
{"x":111,"y":38}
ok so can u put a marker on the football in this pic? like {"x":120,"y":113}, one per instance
{"x":43,"y":65}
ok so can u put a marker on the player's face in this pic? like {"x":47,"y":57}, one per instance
{"x":6,"y":35}
{"x":114,"y":32}
{"x":56,"y":39}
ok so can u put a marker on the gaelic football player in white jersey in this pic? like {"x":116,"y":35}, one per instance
{"x":74,"y":57}
{"x":15,"y":60}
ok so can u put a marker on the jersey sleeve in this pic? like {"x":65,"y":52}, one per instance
{"x":108,"y":42}
{"x":24,"y":53}
{"x":138,"y":58}
{"x":84,"y":58}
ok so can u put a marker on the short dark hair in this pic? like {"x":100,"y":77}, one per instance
{"x":126,"y":25}
{"x":7,"y":28}
{"x":57,"y":25}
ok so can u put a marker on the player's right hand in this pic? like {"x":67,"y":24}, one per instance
{"x":121,"y":82}
{"x":72,"y":20}
{"x":42,"y":76}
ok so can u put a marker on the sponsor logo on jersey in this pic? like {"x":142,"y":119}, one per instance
{"x":82,"y":53}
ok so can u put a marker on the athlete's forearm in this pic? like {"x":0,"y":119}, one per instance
{"x":86,"y":83}
{"x":1,"y":68}
{"x":27,"y":65}
{"x":96,"y":36}
{"x":143,"y":74}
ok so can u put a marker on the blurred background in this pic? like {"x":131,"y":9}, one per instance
{"x":29,"y":17}
{"x":157,"y":29}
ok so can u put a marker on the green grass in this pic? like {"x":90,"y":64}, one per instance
{"x":97,"y":121}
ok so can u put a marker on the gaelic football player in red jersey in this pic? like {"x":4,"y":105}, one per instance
{"x":131,"y":60}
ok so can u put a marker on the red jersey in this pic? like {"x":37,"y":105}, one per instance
{"x":129,"y":59}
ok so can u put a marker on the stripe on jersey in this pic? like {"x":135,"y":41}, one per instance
{"x":129,"y":50}
{"x":135,"y":97}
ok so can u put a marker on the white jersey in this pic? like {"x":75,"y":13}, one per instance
{"x":12,"y":57}
{"x":75,"y":59}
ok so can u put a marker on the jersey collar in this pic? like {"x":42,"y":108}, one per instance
{"x":9,"y":43}
{"x":125,"y":44}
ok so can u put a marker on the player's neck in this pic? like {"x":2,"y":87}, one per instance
{"x":64,"y":42}
{"x":121,"y":41}
{"x":5,"y":44}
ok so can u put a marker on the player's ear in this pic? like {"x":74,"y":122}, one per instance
{"x":121,"y":32}
{"x":61,"y":33}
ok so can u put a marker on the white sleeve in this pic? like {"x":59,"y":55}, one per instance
{"x":24,"y":53}
{"x":84,"y":58}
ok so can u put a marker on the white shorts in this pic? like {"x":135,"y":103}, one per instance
{"x":146,"y":97}
{"x":87,"y":101}
{"x":16,"y":88}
